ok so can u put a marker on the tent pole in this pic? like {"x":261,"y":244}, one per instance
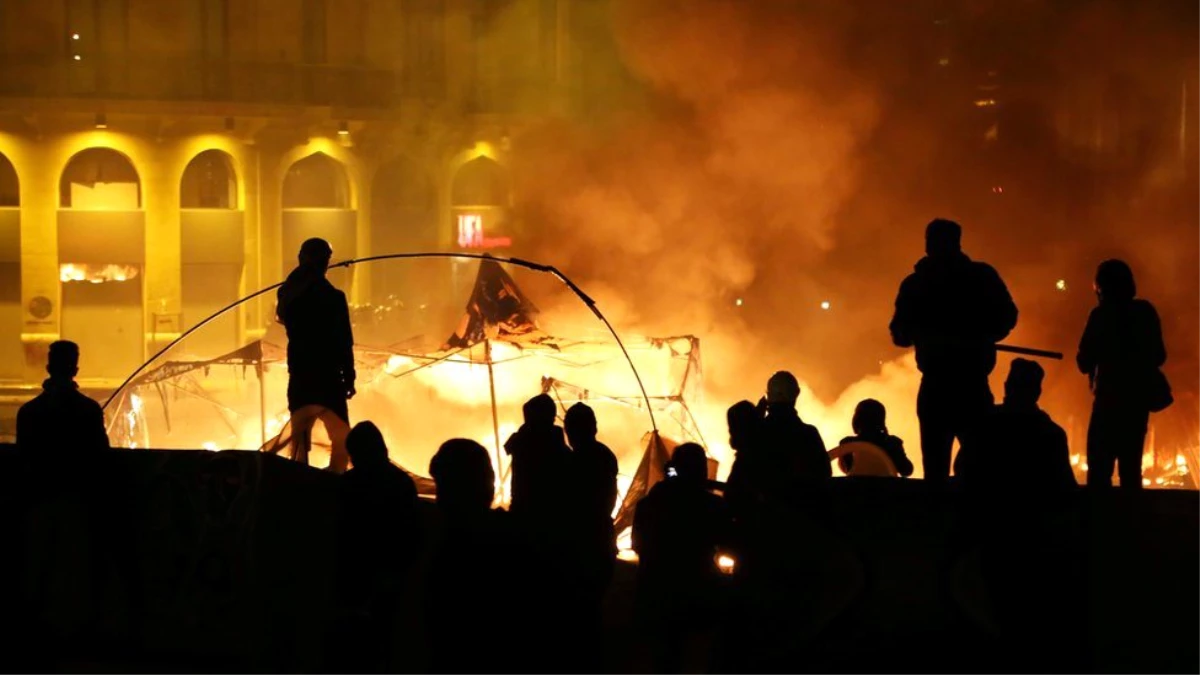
{"x":262,"y":404}
{"x":487,"y":348}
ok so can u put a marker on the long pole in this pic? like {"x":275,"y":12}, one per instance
{"x":487,"y":348}
{"x":262,"y":404}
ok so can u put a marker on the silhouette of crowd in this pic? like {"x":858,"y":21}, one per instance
{"x":524,"y":587}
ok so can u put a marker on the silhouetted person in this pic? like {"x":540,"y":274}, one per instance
{"x":540,"y":460}
{"x":1017,"y":447}
{"x":953,"y":310}
{"x":678,"y":529}
{"x":748,"y":479}
{"x":1121,"y":349}
{"x":320,"y":352}
{"x":61,"y":420}
{"x":475,"y":575}
{"x":377,"y":540}
{"x":593,"y":484}
{"x":72,"y":491}
{"x":870,"y":426}
{"x":793,"y":449}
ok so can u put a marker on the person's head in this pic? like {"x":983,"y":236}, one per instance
{"x":742,"y":418}
{"x":63,"y":360}
{"x":366,"y":446}
{"x":580,"y":424}
{"x":540,"y":410}
{"x":690,"y":463}
{"x":464,"y":476}
{"x":1114,"y":281}
{"x":315,"y":254}
{"x":943,"y":237}
{"x":870,"y":417}
{"x":1024,"y":383}
{"x":783,"y":388}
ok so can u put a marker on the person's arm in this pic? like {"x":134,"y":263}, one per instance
{"x":1062,"y":459}
{"x":1157,"y":351}
{"x":99,"y":433}
{"x":819,"y":443}
{"x":346,"y":345}
{"x":901,"y":326}
{"x":1086,"y":357}
{"x":900,"y":458}
{"x":1003,"y":308}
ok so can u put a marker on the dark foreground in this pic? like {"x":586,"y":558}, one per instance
{"x":224,"y":562}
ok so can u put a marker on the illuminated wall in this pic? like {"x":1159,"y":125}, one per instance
{"x":211,"y":107}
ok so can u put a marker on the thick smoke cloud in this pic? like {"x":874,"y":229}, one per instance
{"x":790,"y":153}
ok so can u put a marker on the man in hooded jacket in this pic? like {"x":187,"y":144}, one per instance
{"x":953,"y":310}
{"x":320,"y":351}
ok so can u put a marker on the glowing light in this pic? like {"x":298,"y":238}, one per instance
{"x":1061,"y":284}
{"x":1084,"y":466}
{"x":628,"y":555}
{"x":725,"y":563}
{"x":1074,"y":460}
{"x":738,"y":302}
{"x":998,"y":189}
{"x":1180,"y":461}
{"x":943,"y":61}
{"x":96,"y":274}
{"x":1158,"y":481}
{"x":1145,"y":481}
{"x":343,"y":129}
{"x":985,"y":102}
{"x":101,"y":118}
{"x":470,"y":233}
{"x":210,"y":446}
{"x":74,"y":36}
{"x":78,"y":57}
{"x":825,"y":305}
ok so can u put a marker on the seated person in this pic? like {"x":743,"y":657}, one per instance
{"x":1017,"y":447}
{"x":870,"y":427}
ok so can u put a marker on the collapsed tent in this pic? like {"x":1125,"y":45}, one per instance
{"x":471,"y":384}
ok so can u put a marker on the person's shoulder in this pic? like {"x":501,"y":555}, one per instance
{"x":1143,"y":308}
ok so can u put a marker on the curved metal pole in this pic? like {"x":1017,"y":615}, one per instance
{"x":537,"y":267}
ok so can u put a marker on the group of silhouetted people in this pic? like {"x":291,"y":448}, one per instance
{"x":552,"y":552}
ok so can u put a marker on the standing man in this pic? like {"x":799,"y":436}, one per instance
{"x":320,"y":352}
{"x":953,"y":310}
{"x":61,"y":421}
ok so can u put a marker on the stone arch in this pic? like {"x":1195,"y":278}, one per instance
{"x":480,"y":182}
{"x":10,"y":185}
{"x":316,"y":181}
{"x":100,"y":179}
{"x":209,"y":182}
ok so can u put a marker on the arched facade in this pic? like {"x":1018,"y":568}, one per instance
{"x":11,"y":365}
{"x":404,"y":219}
{"x":317,"y":181}
{"x":212,"y":251}
{"x":209,"y":182}
{"x":318,"y":201}
{"x":480,"y":196}
{"x":102,"y":260}
{"x":100,"y":179}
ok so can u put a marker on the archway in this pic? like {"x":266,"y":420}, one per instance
{"x":316,"y":203}
{"x":212,"y":249}
{"x":404,"y":217}
{"x":479,"y":195}
{"x":100,"y":179}
{"x":101,"y":253}
{"x":11,"y":352}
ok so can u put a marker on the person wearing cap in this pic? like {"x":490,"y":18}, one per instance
{"x":320,"y":352}
{"x":952,"y":310}
{"x":1018,"y":446}
{"x":794,"y":449}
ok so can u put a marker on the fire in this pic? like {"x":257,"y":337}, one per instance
{"x":96,"y":274}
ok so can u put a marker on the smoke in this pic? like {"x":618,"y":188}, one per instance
{"x":738,"y":164}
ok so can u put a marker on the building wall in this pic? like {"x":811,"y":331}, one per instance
{"x":268,"y":82}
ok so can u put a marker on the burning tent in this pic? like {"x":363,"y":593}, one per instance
{"x":470,"y":384}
